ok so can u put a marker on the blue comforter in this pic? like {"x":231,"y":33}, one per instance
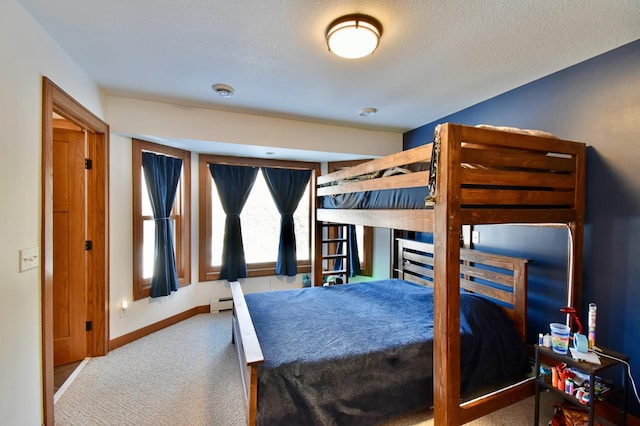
{"x":403,"y":198}
{"x":357,"y":354}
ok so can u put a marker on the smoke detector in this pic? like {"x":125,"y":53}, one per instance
{"x":223,"y":90}
{"x":367,"y":112}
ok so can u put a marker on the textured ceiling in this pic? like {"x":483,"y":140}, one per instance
{"x":435,"y":57}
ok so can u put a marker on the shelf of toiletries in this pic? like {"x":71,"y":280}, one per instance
{"x":572,"y":379}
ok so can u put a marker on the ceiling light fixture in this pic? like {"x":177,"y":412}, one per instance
{"x":353,"y":36}
{"x":223,"y":90}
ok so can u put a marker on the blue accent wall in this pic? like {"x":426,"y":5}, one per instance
{"x":596,"y":102}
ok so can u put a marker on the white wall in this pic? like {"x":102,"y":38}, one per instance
{"x":381,"y":257}
{"x":27,"y":54}
{"x":135,"y":117}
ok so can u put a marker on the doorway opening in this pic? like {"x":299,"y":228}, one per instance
{"x":93,"y":314}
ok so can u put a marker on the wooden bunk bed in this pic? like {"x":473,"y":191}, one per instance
{"x":484,"y":176}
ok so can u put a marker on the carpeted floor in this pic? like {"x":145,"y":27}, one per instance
{"x":188,"y":374}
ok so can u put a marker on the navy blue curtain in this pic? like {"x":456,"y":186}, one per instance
{"x":352,"y":257}
{"x":287,"y":187}
{"x":234,"y":185}
{"x":162,"y":175}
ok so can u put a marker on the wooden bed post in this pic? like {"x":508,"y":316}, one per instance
{"x":446,"y":342}
{"x":577,"y":227}
{"x":577,"y":231}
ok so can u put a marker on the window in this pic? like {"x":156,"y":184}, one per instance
{"x":364,"y":235}
{"x":260,"y":221}
{"x":144,"y":225}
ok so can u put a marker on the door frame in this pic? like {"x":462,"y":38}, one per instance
{"x":55,"y":100}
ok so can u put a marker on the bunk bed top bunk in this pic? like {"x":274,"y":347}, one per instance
{"x":494,"y":176}
{"x":476,"y":175}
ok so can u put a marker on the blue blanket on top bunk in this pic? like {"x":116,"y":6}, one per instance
{"x":357,"y":354}
{"x":402,"y":198}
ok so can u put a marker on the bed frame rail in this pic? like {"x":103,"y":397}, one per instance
{"x":346,"y":179}
{"x":249,"y":352}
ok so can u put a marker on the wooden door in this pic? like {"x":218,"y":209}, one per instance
{"x":69,"y":254}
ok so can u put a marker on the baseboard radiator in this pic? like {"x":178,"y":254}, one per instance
{"x":221,"y":304}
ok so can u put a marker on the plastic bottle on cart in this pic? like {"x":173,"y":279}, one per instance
{"x":592,"y":324}
{"x":568,"y":386}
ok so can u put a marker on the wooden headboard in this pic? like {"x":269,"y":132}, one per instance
{"x":502,"y":279}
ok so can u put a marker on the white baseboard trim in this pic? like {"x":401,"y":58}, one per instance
{"x":70,"y":379}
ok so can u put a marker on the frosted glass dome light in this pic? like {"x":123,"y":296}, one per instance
{"x":353,"y":36}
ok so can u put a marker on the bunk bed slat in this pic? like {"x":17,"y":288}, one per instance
{"x":500,"y":139}
{"x":411,"y":220}
{"x":480,"y":407}
{"x":496,"y":216}
{"x":515,"y":197}
{"x":402,"y":158}
{"x":418,"y":270}
{"x":492,"y":293}
{"x":495,"y":260}
{"x":418,"y":258}
{"x":517,"y":158}
{"x":409,"y":180}
{"x":486,"y":274}
{"x":516,"y":178}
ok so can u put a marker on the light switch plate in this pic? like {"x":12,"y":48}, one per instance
{"x":29,"y":258}
{"x":475,"y":237}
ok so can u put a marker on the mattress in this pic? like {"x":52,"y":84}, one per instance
{"x":361,"y":353}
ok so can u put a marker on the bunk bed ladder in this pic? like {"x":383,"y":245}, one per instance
{"x":335,"y":247}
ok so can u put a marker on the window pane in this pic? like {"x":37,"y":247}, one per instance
{"x":146,"y":202}
{"x":149,"y":242}
{"x":301,"y":220}
{"x":260,"y":224}
{"x":260,"y":221}
{"x":148,"y":248}
{"x":360,"y":240}
{"x":217,"y":226}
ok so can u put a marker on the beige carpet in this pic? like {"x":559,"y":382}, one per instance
{"x":188,"y":374}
